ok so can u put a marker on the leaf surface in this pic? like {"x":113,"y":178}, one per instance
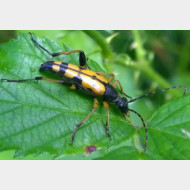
{"x":38,"y":117}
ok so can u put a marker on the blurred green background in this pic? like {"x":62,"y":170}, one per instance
{"x":143,"y":61}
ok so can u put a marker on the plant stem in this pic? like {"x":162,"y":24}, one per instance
{"x":143,"y":65}
{"x":100,"y":40}
{"x":140,"y":52}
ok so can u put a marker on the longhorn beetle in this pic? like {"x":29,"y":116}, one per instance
{"x":93,"y":82}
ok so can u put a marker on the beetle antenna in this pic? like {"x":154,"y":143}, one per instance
{"x":146,"y":132}
{"x":163,"y":90}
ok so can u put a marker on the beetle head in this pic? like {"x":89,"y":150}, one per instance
{"x":123,"y":105}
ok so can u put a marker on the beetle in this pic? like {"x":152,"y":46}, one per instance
{"x":94,"y":83}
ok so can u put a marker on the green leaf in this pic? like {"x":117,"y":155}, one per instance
{"x":38,"y":118}
{"x":169,"y":130}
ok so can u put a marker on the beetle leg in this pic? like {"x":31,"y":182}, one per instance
{"x":116,"y":83}
{"x":82,"y":57}
{"x":106,"y":105}
{"x":78,"y":125}
{"x":42,"y":78}
{"x":110,"y":74}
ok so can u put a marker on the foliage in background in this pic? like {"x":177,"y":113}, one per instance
{"x":143,"y":61}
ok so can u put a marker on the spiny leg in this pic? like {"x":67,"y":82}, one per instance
{"x":116,"y":83}
{"x":78,"y":125}
{"x":158,"y":91}
{"x":110,"y":74}
{"x":110,"y":79}
{"x":40,"y":78}
{"x":106,"y":105}
{"x":82,"y":57}
{"x":146,"y":132}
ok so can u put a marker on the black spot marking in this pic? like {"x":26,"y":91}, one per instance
{"x":94,"y":77}
{"x":89,"y":89}
{"x":63,"y":68}
{"x":77,"y":80}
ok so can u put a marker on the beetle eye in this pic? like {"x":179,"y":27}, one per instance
{"x":42,"y":68}
{"x":123,"y":105}
{"x":46,"y":66}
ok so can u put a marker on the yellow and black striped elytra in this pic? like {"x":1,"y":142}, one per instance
{"x":93,"y":82}
{"x":78,"y":77}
